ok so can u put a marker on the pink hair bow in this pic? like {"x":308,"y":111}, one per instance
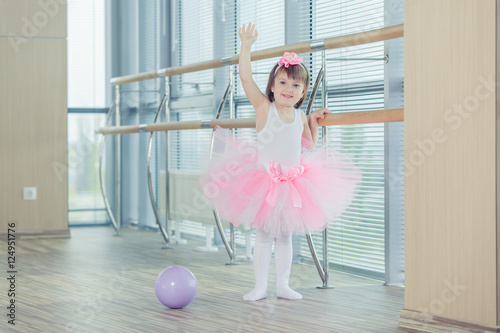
{"x":290,"y":58}
{"x":277,"y":177}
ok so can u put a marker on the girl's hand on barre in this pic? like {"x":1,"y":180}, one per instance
{"x":318,"y":114}
{"x":248,"y":34}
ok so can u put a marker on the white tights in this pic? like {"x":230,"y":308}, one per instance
{"x":283,"y":254}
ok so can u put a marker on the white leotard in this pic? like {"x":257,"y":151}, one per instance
{"x":279,"y":141}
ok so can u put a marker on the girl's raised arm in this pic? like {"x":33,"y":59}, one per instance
{"x":248,"y":36}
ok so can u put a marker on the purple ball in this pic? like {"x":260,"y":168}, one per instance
{"x":176,"y":287}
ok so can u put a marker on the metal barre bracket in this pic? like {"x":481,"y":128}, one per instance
{"x":205,"y":124}
{"x":317,"y":45}
{"x":226,"y":61}
{"x":143,"y":127}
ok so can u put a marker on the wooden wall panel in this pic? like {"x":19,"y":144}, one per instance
{"x":33,"y":18}
{"x":450,"y":159}
{"x":497,"y":123}
{"x":33,"y":130}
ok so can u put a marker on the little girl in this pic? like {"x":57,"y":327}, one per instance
{"x":272,"y":186}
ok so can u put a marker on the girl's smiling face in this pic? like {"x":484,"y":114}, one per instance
{"x":287,"y":91}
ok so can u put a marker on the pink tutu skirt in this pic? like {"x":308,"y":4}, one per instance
{"x":305,"y":199}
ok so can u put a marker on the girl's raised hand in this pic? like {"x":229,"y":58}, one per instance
{"x":248,"y":34}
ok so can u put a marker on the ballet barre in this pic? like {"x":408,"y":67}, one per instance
{"x":344,"y":118}
{"x":359,"y":38}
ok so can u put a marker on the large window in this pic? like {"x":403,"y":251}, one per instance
{"x":86,"y":106}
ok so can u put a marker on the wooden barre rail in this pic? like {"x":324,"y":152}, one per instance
{"x":345,"y":118}
{"x":360,"y":38}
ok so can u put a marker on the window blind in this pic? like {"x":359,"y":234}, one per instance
{"x":192,"y":93}
{"x":193,"y":42}
{"x":188,"y":150}
{"x":355,"y":78}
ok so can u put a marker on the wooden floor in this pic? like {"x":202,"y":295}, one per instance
{"x":96,"y":282}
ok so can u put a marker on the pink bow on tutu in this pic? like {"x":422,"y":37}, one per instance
{"x":277,"y":177}
{"x":290,"y":58}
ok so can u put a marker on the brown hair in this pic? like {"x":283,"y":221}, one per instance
{"x":296,"y":72}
